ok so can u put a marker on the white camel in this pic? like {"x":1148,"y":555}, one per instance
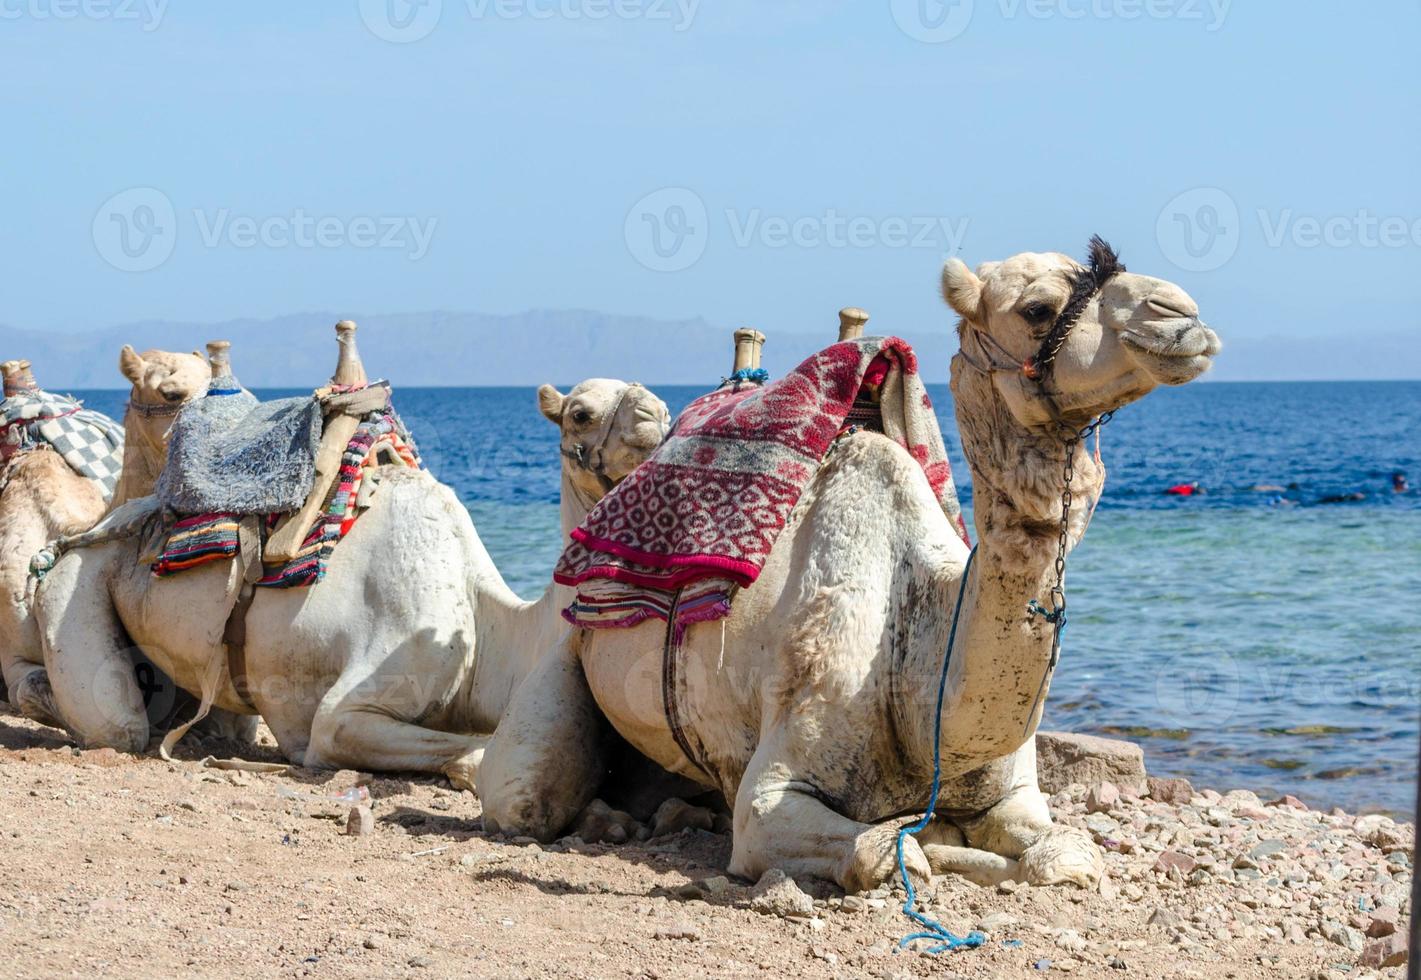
{"x":44,"y":499}
{"x":811,"y":706}
{"x":410,"y":645}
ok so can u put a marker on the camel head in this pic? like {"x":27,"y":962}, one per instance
{"x":162,"y":380}
{"x":1123,"y":334}
{"x":608,"y":429}
{"x":162,"y":384}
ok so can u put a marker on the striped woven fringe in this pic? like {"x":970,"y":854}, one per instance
{"x":606,"y":605}
{"x":196,"y":541}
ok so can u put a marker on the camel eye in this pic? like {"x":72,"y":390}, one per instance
{"x":1037,"y":314}
{"x":173,"y":396}
{"x":582,"y":416}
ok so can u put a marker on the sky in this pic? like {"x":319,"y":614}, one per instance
{"x":759,"y":162}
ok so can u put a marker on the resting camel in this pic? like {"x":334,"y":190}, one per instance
{"x":44,"y":499}
{"x":411,"y":642}
{"x":812,"y":703}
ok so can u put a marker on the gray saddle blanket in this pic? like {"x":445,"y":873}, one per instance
{"x":232,"y":454}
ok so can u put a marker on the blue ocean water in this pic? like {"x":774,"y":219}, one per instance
{"x":1257,"y":639}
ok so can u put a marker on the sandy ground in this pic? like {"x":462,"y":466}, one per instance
{"x":132,"y":866}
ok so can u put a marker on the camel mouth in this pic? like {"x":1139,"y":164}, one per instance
{"x":1173,"y":352}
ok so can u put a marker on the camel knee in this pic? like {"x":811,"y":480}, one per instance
{"x":31,"y":695}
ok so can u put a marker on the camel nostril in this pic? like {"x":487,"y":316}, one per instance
{"x":1172,"y":306}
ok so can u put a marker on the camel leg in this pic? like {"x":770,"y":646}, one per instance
{"x":86,"y":655}
{"x":30,"y":693}
{"x":365,"y":736}
{"x":945,"y":847}
{"x":546,"y":760}
{"x":780,"y":822}
{"x":1018,"y":827}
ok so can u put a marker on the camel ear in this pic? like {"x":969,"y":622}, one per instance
{"x":130,"y":364}
{"x":961,"y":288}
{"x":550,"y":403}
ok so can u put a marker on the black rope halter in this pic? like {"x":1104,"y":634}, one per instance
{"x":1086,"y":283}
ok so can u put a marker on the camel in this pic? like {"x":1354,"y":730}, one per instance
{"x":44,"y":499}
{"x":811,"y":705}
{"x":410,"y":646}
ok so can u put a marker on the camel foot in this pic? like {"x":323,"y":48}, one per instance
{"x":675,"y":815}
{"x":463,"y":772}
{"x":1063,"y":855}
{"x":34,"y":699}
{"x":875,"y":860}
{"x":600,"y":824}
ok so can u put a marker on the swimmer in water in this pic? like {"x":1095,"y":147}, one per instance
{"x":1398,"y":483}
{"x":1186,"y":490}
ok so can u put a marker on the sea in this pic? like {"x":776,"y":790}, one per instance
{"x":1264,"y":634}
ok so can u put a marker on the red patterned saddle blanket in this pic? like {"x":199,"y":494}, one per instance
{"x":699,"y":517}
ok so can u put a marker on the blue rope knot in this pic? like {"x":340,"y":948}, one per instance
{"x":942,"y":938}
{"x":757,"y":375}
{"x":1051,"y":616}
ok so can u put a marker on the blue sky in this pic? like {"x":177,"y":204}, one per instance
{"x":750,"y":161}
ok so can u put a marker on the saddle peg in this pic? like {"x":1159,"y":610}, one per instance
{"x":219,"y":357}
{"x":349,"y":371}
{"x":747,"y":351}
{"x":851,"y":322}
{"x":18,"y":377}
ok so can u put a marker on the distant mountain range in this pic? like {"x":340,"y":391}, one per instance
{"x":564,"y":346}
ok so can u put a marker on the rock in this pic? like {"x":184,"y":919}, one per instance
{"x":1176,"y":791}
{"x":1266,"y":849}
{"x":716,"y":885}
{"x":853,"y":903}
{"x":674,"y":816}
{"x":997,"y":922}
{"x":1069,"y":939}
{"x":1172,"y":861}
{"x":1388,"y":951}
{"x":1102,"y":798}
{"x":360,"y":821}
{"x":600,"y":824}
{"x":1383,"y":922}
{"x":777,"y":894}
{"x":1342,"y":935}
{"x":373,"y":941}
{"x":1164,"y":918}
{"x":1063,"y":759}
{"x":1291,"y":802}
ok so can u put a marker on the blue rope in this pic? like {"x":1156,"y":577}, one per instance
{"x":758,"y":375}
{"x":942,"y":938}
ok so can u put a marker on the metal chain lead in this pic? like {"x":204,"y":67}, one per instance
{"x":1056,"y":615}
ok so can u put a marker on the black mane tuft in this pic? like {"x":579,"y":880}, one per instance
{"x":1104,"y":260}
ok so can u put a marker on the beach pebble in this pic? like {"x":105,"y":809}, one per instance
{"x":1175,"y":861}
{"x":1340,"y":934}
{"x":674,"y":816}
{"x":1388,"y":951}
{"x":777,"y":894}
{"x":1102,"y":798}
{"x":1176,"y":791}
{"x":1383,"y":922}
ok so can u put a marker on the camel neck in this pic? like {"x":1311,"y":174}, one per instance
{"x":514,"y":634}
{"x":144,"y":453}
{"x":998,"y":678}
